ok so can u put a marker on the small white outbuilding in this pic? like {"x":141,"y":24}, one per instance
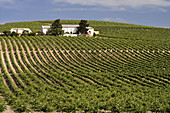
{"x":44,"y":29}
{"x":20,"y":30}
{"x":69,"y":30}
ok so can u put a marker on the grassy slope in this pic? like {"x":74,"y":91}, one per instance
{"x":107,"y":29}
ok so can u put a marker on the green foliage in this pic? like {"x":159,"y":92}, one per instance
{"x":14,"y":34}
{"x":25,"y":33}
{"x":56,"y":24}
{"x":2,"y":105}
{"x":39,"y":33}
{"x":82,"y":27}
{"x":6,"y":33}
{"x":56,"y":28}
{"x":94,"y":34}
{"x":32,"y":34}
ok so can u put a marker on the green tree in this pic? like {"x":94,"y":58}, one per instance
{"x":56,"y":28}
{"x":82,"y":27}
{"x":39,"y":33}
{"x":7,"y":33}
{"x":14,"y":34}
{"x":25,"y":33}
{"x":32,"y":34}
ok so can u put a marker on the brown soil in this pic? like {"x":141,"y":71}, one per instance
{"x":18,"y":52}
{"x":8,"y":57}
{"x":13,"y":53}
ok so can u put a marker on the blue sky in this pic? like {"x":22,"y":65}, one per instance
{"x":142,"y":12}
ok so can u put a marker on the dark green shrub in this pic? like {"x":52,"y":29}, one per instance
{"x":7,"y":33}
{"x":2,"y":105}
{"x":32,"y":34}
{"x":14,"y":34}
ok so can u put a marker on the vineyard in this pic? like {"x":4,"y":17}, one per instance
{"x":124,"y":69}
{"x":84,"y":74}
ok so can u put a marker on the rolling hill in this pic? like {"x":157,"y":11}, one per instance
{"x":125,"y":68}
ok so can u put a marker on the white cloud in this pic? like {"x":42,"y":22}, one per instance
{"x":115,"y":20}
{"x":118,"y":9}
{"x":119,"y":3}
{"x":73,"y":9}
{"x":162,"y":10}
{"x":85,"y":9}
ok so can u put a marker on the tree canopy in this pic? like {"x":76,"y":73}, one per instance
{"x":82,"y":26}
{"x":7,"y":33}
{"x":56,"y":28}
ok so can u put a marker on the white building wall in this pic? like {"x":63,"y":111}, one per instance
{"x":29,"y":31}
{"x":75,"y":30}
{"x":91,"y":31}
{"x":13,"y":30}
{"x":68,"y":29}
{"x":45,"y":31}
{"x":20,"y":30}
{"x":65,"y":30}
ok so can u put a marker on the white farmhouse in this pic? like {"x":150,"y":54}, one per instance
{"x":69,"y":30}
{"x":20,"y":30}
{"x":44,"y":29}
